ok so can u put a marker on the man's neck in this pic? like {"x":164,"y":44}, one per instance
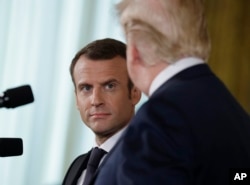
{"x":108,"y":142}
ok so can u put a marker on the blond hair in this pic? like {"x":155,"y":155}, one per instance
{"x":172,"y":29}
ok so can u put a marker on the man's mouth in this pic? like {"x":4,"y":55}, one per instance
{"x":99,"y":115}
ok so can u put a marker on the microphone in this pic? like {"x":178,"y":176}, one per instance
{"x":16,"y":97}
{"x":11,"y":147}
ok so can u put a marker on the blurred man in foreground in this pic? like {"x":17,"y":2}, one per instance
{"x":191,"y":131}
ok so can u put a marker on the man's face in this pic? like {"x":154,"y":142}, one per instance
{"x":102,"y":94}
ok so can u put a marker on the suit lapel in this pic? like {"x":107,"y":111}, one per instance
{"x":76,"y":169}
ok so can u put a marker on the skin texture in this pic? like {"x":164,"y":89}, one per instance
{"x":102,"y":95}
{"x":141,"y":73}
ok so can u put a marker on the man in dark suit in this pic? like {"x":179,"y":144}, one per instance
{"x":191,"y":131}
{"x":106,"y":99}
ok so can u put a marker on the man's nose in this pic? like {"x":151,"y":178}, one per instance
{"x":97,"y":98}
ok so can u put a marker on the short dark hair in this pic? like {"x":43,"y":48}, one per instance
{"x":101,"y":49}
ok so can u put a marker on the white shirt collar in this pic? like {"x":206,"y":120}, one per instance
{"x":171,"y":70}
{"x":107,"y":146}
{"x":110,"y":142}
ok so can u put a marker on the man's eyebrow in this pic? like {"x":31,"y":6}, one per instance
{"x":110,"y":81}
{"x":83,"y":84}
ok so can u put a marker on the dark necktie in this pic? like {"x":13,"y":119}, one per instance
{"x":94,"y":160}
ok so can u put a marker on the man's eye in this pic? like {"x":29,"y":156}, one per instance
{"x":86,"y":88}
{"x":110,"y":86}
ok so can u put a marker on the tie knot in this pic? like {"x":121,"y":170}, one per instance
{"x":95,"y":156}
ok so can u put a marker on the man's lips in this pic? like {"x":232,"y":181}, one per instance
{"x":99,"y":115}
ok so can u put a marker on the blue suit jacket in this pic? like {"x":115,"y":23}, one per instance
{"x":191,"y":131}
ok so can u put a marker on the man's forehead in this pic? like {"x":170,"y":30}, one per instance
{"x":100,"y":71}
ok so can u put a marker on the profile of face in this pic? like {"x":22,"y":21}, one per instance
{"x":103,"y":96}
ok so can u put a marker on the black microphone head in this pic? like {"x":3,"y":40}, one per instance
{"x":11,"y":147}
{"x":18,"y":96}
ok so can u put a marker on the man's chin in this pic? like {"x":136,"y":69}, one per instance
{"x":103,"y":133}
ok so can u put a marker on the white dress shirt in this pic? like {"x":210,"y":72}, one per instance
{"x":172,"y":70}
{"x":107,"y":146}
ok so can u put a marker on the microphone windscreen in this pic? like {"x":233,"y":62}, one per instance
{"x":11,"y":147}
{"x":18,"y":96}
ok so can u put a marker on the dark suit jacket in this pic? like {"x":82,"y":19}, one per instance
{"x":191,"y":131}
{"x":76,"y":168}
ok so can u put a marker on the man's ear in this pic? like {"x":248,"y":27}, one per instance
{"x":141,"y":51}
{"x":135,"y":95}
{"x":133,"y":53}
